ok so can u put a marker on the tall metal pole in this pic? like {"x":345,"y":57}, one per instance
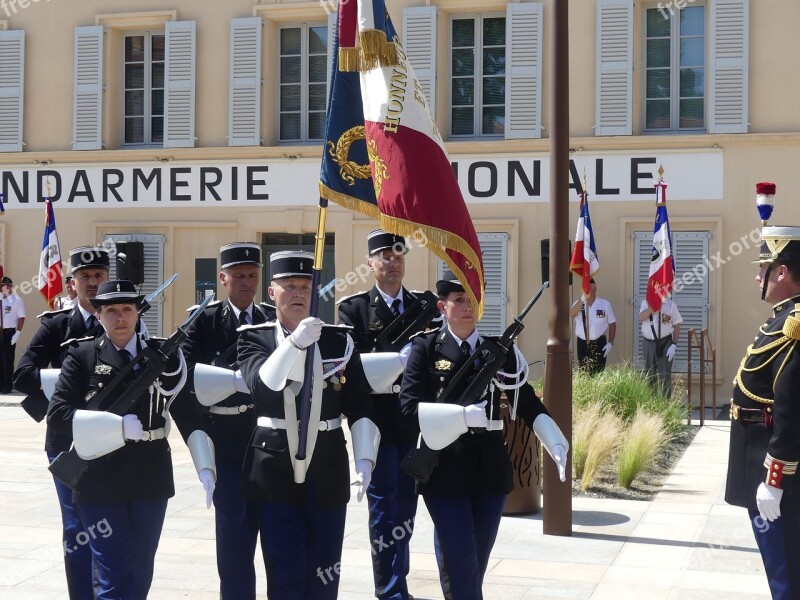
{"x":557,"y":512}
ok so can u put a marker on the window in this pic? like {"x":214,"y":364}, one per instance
{"x":143,"y":94}
{"x":494,"y":248}
{"x":303,"y":82}
{"x":675,"y":69}
{"x":153,"y":274}
{"x":478,"y":76}
{"x":690,"y":249}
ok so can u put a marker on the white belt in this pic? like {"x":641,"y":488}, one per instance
{"x":151,"y":435}
{"x":230,"y":410}
{"x":328,"y":425}
{"x":495,"y":425}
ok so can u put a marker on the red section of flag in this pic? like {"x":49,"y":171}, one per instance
{"x":584,"y":262}
{"x":419,"y":197}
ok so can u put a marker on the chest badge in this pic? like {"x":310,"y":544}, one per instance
{"x":375,"y":325}
{"x":443,"y":365}
{"x":103,"y":370}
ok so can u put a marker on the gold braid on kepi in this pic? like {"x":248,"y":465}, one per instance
{"x":791,"y":326}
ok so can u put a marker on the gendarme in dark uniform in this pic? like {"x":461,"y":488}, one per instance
{"x":466,"y":492}
{"x":765,"y":418}
{"x":89,"y":266}
{"x":129,"y":477}
{"x":230,"y":421}
{"x":303,"y":503}
{"x":392,"y":495}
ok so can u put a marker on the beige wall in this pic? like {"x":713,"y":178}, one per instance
{"x":770,"y":152}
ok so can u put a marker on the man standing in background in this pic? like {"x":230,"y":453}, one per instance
{"x":660,"y":331}
{"x":598,"y":319}
{"x":13,"y":318}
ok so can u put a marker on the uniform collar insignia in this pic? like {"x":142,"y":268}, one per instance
{"x":443,"y":365}
{"x":375,"y":325}
{"x":102,"y":369}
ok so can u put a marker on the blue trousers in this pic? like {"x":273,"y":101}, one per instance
{"x":123,"y":539}
{"x":302,"y":551}
{"x":779,"y":544}
{"x":466,"y":528}
{"x":392,"y":506}
{"x":237,"y":533}
{"x":77,"y":557}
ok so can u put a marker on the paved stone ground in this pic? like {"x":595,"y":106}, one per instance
{"x":686,"y":544}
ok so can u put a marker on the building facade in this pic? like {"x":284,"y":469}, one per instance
{"x":188,"y":125}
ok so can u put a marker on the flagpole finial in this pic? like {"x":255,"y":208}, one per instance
{"x":47,"y":186}
{"x":585,"y":189}
{"x":660,"y":173}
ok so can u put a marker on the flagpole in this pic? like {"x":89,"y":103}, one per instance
{"x":557,"y":513}
{"x":313,"y":311}
{"x":585,"y":196}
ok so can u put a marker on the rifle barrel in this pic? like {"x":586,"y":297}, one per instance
{"x":533,"y":300}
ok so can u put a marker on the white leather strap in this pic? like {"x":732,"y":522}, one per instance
{"x":230,"y":410}
{"x":328,"y":425}
{"x":495,"y":425}
{"x":151,"y":435}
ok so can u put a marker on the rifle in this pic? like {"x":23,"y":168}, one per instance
{"x":412,"y":320}
{"x":468,"y":386}
{"x":122,"y":393}
{"x":36,"y":404}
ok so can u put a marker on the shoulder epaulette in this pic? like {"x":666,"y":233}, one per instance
{"x":791,"y":326}
{"x":340,"y":327}
{"x":425,"y":332}
{"x":52,"y":313}
{"x":350,"y":297}
{"x":266,"y":325}
{"x":74,"y":341}
{"x":210,"y":304}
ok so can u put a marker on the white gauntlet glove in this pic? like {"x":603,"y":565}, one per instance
{"x":307,"y":332}
{"x":671,"y":352}
{"x":607,"y":349}
{"x":364,"y":471}
{"x":207,"y":479}
{"x":15,"y":338}
{"x":404,"y":352}
{"x":132,"y":428}
{"x":475,"y":415}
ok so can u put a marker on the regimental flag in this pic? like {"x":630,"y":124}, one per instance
{"x":50,"y":284}
{"x":384,"y":156}
{"x":584,"y":262}
{"x":662,"y":262}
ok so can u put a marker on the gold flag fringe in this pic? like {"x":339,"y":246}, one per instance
{"x":373,"y":51}
{"x":349,"y":60}
{"x":440,"y":238}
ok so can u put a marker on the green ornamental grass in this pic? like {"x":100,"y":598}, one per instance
{"x":641,"y":443}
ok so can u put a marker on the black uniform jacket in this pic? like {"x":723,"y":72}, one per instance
{"x":768,"y":379}
{"x":212,"y":340}
{"x":478,"y":462}
{"x":45,"y":351}
{"x":139,"y":470}
{"x":267,"y":473}
{"x":368,"y":314}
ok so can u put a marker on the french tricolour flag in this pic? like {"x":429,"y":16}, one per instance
{"x":662,"y":262}
{"x":384,"y":155}
{"x":584,"y":260}
{"x":50,"y":284}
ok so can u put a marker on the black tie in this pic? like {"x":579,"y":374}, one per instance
{"x":396,"y":307}
{"x":466,"y":349}
{"x":243,"y":318}
{"x":124,"y":355}
{"x":91,"y":322}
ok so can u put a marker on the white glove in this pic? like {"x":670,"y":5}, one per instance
{"x":14,"y":338}
{"x":475,"y":415}
{"x":307,"y":332}
{"x":364,"y":470}
{"x":768,"y":500}
{"x":671,"y":352}
{"x":239,"y":384}
{"x":207,"y":479}
{"x":560,"y":458}
{"x":607,"y":349}
{"x":404,"y":352}
{"x":132,"y":428}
